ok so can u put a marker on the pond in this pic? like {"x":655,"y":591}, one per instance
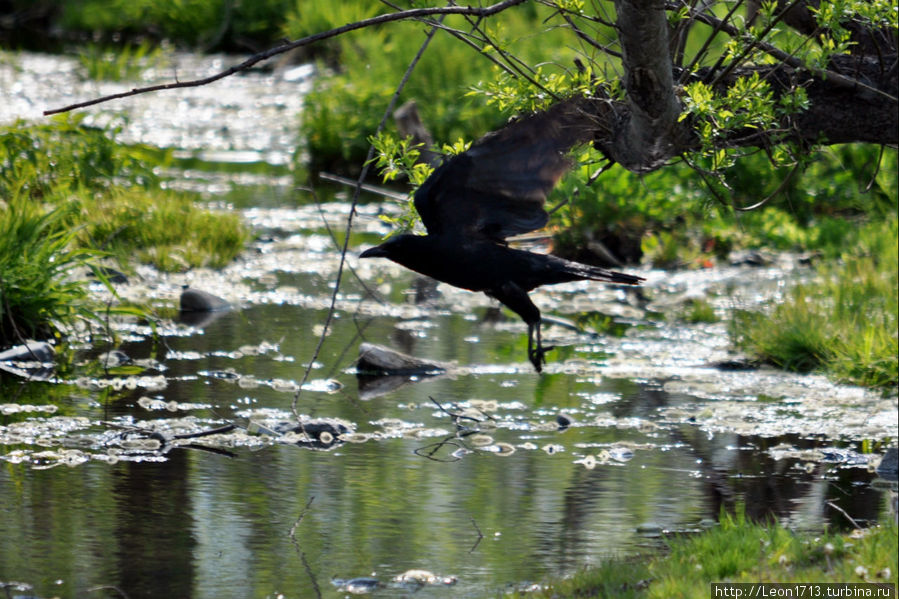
{"x":173,"y":465}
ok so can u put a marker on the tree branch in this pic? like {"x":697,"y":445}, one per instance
{"x":286,"y":47}
{"x":789,"y":59}
{"x":649,"y":131}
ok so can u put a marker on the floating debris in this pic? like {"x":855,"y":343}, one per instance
{"x":151,"y":404}
{"x":113,"y":359}
{"x":311,"y":433}
{"x":358,"y":586}
{"x":8,"y":409}
{"x":423,"y":578}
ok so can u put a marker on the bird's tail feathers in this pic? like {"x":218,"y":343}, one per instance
{"x":596,"y":273}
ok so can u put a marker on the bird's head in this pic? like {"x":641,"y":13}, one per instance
{"x":394,"y":248}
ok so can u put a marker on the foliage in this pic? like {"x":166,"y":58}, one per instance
{"x":114,"y":195}
{"x":37,"y":254}
{"x":674,"y":220}
{"x":205,"y":23}
{"x":69,"y":194}
{"x":345,"y":107}
{"x":749,"y":104}
{"x":68,"y":154}
{"x":398,"y":158}
{"x":844,"y":322}
{"x":737,"y":551}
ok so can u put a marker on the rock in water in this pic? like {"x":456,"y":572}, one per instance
{"x":32,"y":360}
{"x":377,"y":359}
{"x":195,"y":300}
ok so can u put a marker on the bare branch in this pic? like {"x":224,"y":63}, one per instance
{"x":414,"y":13}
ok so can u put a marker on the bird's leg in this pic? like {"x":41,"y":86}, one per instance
{"x":537,"y":355}
{"x":517,"y":299}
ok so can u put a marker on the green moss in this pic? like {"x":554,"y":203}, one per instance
{"x":163,"y":228}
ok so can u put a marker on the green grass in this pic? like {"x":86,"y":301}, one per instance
{"x":125,"y":62}
{"x":736,"y":551}
{"x":163,"y":228}
{"x":69,"y":195}
{"x":37,"y":254}
{"x":698,"y":311}
{"x":844,"y":322}
{"x":114,"y":196}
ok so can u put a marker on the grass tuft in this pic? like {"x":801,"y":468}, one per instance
{"x":737,"y":551}
{"x":844,"y":323}
{"x":122,"y":63}
{"x":37,"y":254}
{"x":70,"y":194}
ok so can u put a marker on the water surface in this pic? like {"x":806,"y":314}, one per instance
{"x":488,"y":478}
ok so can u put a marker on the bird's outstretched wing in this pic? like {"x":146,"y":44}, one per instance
{"x":497,"y":187}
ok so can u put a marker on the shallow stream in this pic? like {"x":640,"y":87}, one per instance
{"x":487,"y":478}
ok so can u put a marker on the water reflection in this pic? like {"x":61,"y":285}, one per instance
{"x":206,"y":525}
{"x":510,"y":494}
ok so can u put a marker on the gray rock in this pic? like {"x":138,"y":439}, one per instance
{"x":32,"y":360}
{"x":888,"y":468}
{"x":377,"y":359}
{"x":30,"y":351}
{"x":196,"y":300}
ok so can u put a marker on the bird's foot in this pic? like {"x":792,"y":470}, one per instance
{"x":537,"y":356}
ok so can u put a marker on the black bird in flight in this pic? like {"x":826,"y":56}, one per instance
{"x":497,"y":188}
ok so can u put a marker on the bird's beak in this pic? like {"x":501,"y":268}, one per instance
{"x":375,"y":252}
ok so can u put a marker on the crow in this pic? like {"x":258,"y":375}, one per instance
{"x":497,"y":188}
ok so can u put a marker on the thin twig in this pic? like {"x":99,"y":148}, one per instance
{"x":708,"y":41}
{"x":876,"y":170}
{"x":337,"y":244}
{"x":293,"y":539}
{"x":293,"y":529}
{"x":288,"y":46}
{"x":788,"y":59}
{"x":376,"y":189}
{"x":480,"y":535}
{"x":588,"y":39}
{"x":842,"y":511}
{"x":107,"y":587}
{"x":349,"y":221}
{"x":773,"y":194}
